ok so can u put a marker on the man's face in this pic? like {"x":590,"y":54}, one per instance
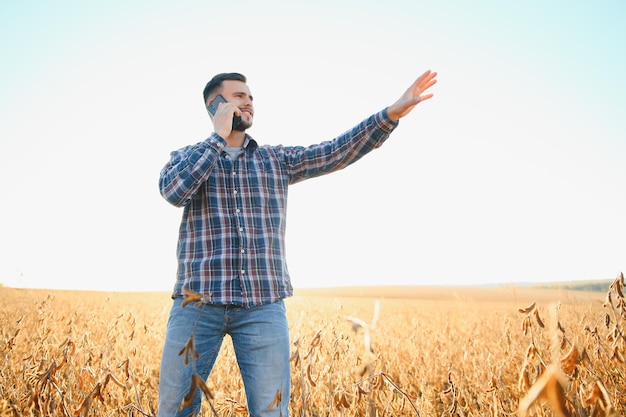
{"x":238,"y":93}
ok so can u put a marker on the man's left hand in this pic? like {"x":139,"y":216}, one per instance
{"x":412,"y":96}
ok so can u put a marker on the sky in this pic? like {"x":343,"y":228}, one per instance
{"x":513,"y":172}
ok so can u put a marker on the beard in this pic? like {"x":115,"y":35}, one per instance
{"x":240,"y":124}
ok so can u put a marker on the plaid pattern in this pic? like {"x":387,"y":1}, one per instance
{"x":231,"y":245}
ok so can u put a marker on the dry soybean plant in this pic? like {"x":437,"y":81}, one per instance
{"x":74,"y":354}
{"x":335,"y":374}
{"x":70,"y":358}
{"x":577,"y":376}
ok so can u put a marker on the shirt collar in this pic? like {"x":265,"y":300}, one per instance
{"x":249,"y":143}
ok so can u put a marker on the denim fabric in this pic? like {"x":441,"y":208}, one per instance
{"x":260,"y":337}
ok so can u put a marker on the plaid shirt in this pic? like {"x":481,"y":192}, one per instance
{"x":231,"y":246}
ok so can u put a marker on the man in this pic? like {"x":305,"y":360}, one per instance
{"x":231,"y":252}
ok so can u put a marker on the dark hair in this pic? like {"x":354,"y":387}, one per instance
{"x":216,"y":82}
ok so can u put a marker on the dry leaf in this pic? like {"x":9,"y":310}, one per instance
{"x":549,"y":388}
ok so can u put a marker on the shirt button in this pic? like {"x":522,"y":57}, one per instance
{"x":243,"y":251}
{"x":241,"y":229}
{"x":235,"y":192}
{"x":238,"y":211}
{"x":243,"y":272}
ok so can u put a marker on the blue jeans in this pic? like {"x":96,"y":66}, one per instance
{"x":260,"y":337}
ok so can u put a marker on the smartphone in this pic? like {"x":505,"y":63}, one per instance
{"x":213,"y":108}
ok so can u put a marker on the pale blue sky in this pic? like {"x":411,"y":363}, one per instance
{"x":514,"y":171}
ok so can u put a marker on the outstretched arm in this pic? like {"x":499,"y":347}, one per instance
{"x":412,"y":96}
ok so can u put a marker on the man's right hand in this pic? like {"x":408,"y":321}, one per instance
{"x":223,"y":119}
